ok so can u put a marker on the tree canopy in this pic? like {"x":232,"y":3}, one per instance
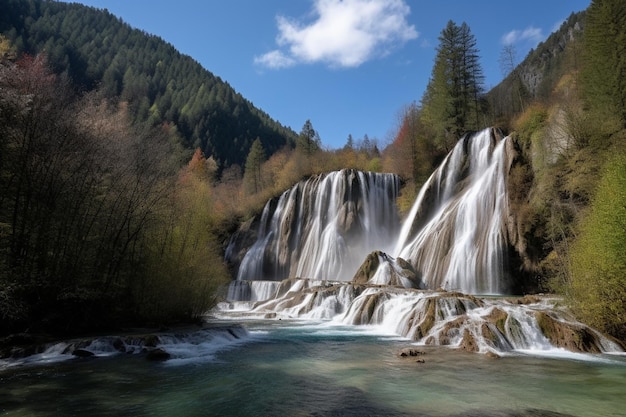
{"x":95,"y":229}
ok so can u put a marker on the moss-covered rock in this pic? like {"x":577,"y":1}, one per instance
{"x":498,"y":317}
{"x":428,"y":320}
{"x":571,"y":336}
{"x":469,"y":343}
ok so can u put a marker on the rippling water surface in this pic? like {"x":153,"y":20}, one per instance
{"x":299,"y":369}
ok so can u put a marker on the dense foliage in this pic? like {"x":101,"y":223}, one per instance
{"x":96,"y":49}
{"x":574,"y":141}
{"x":604,"y":70}
{"x":598,"y":288}
{"x":96,"y":229}
{"x":564,"y":105}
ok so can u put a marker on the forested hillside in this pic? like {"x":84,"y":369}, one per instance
{"x":535,"y":77}
{"x":160,"y":85}
{"x":123,"y":168}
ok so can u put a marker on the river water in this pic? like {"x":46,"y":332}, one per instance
{"x":295,"y":368}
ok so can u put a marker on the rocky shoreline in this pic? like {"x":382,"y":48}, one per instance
{"x":149,"y":342}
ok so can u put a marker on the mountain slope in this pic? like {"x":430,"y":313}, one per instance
{"x":537,"y":75}
{"x":160,"y":85}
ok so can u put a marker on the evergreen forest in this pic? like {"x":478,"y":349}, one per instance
{"x":124,"y":165}
{"x":97,"y":50}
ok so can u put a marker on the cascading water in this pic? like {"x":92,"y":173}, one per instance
{"x":455,"y":235}
{"x":454,"y":239}
{"x":324,"y":227}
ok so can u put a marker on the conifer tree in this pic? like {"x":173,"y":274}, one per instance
{"x":308,"y":139}
{"x":252,"y":174}
{"x":349,"y":142}
{"x":452,"y":99}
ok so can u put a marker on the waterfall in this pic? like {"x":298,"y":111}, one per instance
{"x":324,"y":227}
{"x":455,"y":235}
{"x":343,"y":226}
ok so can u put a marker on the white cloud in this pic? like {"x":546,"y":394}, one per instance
{"x":274,"y":60}
{"x":344,"y":33}
{"x":531,"y":34}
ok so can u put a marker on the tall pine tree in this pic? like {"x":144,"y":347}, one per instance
{"x":451,"y":103}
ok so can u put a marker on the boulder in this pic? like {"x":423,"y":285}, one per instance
{"x":368,"y":268}
{"x":411,"y":352}
{"x":492,"y":355}
{"x":571,"y":336}
{"x":498,"y":318}
{"x":396,"y":273}
{"x":429,"y":319}
{"x":119,"y":345}
{"x":469,"y":343}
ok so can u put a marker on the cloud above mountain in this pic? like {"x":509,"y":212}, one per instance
{"x":342,"y":33}
{"x":530,"y":34}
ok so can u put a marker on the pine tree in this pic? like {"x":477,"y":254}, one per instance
{"x":349,"y":142}
{"x":472,"y":78}
{"x":452,"y":99}
{"x":309,"y":140}
{"x":254,"y":161}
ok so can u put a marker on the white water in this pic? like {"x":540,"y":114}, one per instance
{"x":455,"y":238}
{"x":494,"y":324}
{"x":461,"y":245}
{"x":194,"y":346}
{"x":304,"y":368}
{"x":324,"y":227}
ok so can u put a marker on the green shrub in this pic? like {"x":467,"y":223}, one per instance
{"x":598,"y":269}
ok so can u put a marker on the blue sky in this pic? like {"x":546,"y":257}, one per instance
{"x":349,"y":66}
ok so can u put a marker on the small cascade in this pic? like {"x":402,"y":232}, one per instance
{"x":192,"y":346}
{"x":488,"y":325}
{"x":252,"y":290}
{"x":324,"y":227}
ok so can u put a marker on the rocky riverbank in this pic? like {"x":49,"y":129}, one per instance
{"x":154,"y":344}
